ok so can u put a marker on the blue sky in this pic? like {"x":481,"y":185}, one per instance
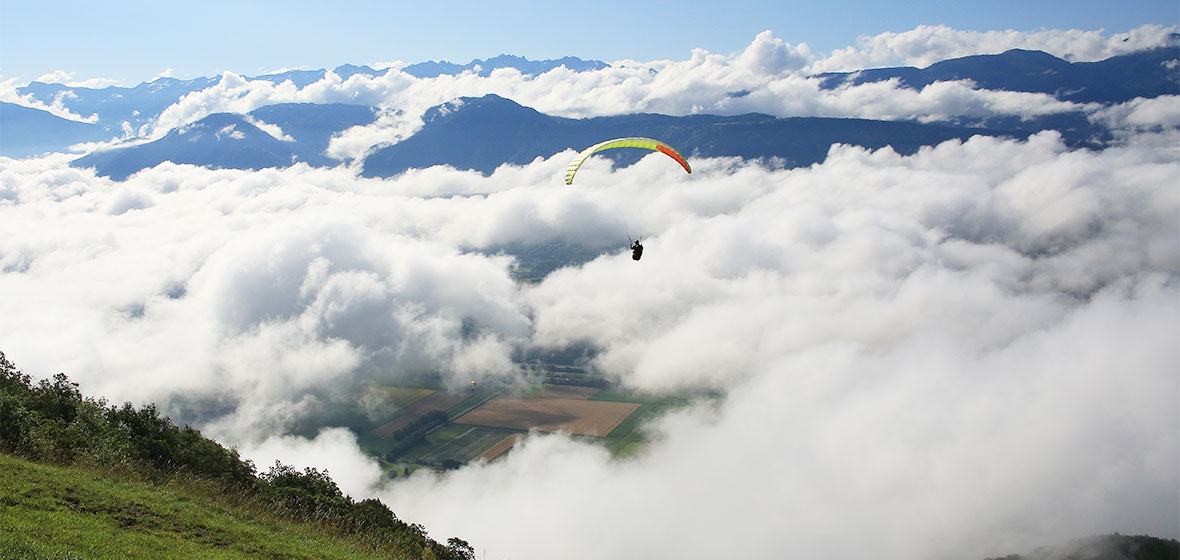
{"x":136,"y":40}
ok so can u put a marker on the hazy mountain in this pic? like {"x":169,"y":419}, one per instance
{"x":1149,"y":73}
{"x":433,"y":69}
{"x":114,"y":105}
{"x":28,"y":132}
{"x":120,"y":108}
{"x":485,"y":132}
{"x":231,"y":141}
{"x":313,"y":125}
{"x":221,"y":140}
{"x":482,"y":133}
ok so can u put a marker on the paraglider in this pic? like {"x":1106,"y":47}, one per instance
{"x":636,"y":250}
{"x":634,"y":142}
{"x":631,"y":142}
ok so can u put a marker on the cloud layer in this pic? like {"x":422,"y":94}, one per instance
{"x":981,"y":332}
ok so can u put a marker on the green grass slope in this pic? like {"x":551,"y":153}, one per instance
{"x":70,"y":512}
{"x":72,"y":485}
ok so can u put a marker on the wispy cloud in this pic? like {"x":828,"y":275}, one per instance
{"x":67,"y":78}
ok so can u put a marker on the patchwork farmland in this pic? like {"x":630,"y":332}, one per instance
{"x":446,"y":429}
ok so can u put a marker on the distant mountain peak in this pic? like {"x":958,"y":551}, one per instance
{"x":433,"y":69}
{"x":489,"y":106}
{"x":219,"y":127}
{"x":346,"y":71}
{"x":1114,"y":80}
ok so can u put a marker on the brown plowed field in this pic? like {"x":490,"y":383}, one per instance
{"x":498,"y":449}
{"x":577,"y":416}
{"x":441,"y":400}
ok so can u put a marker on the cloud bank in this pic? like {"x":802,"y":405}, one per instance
{"x":940,"y":354}
{"x":964,"y":352}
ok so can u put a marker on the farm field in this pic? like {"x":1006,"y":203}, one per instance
{"x":550,"y":414}
{"x":440,"y":400}
{"x":501,"y":447}
{"x":402,"y":397}
{"x":469,"y":443}
{"x":485,"y":424}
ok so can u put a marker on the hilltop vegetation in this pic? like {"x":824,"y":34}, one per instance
{"x":1105,"y":547}
{"x":134,"y":469}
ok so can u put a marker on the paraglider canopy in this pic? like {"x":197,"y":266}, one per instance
{"x":634,"y":142}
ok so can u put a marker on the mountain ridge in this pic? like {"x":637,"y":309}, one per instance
{"x":122,"y":111}
{"x":235,"y":141}
{"x":483,"y":133}
{"x":1117,"y":79}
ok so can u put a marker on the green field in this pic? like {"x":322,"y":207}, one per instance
{"x":54,"y":512}
{"x":629,"y":430}
{"x":477,"y":398}
{"x":461,"y":443}
{"x":619,"y":395}
{"x":403,"y":396}
{"x":622,"y":448}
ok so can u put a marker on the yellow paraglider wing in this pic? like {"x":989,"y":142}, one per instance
{"x":648,"y":143}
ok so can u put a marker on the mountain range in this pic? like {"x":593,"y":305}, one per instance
{"x":118,"y":110}
{"x":485,"y":132}
{"x":233,"y":141}
{"x":1148,"y":73}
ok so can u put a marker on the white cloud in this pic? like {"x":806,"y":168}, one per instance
{"x":272,"y":129}
{"x":333,"y":450}
{"x":288,"y":283}
{"x":938,"y":353}
{"x":769,"y":54}
{"x":67,"y":78}
{"x":390,"y":127}
{"x":1160,"y":113}
{"x":926,"y":450}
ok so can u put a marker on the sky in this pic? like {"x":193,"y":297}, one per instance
{"x":131,"y":41}
{"x":964,"y":353}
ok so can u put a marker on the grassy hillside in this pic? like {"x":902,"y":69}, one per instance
{"x":74,"y":471}
{"x":70,"y":512}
